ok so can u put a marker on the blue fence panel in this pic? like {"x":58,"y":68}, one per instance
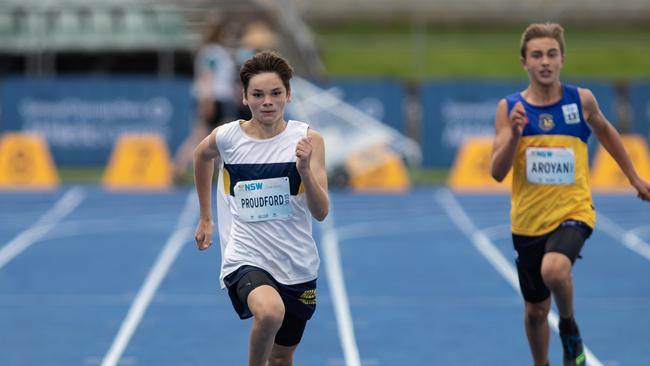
{"x":383,"y":99}
{"x":81,"y":117}
{"x":453,"y":110}
{"x":640,"y":105}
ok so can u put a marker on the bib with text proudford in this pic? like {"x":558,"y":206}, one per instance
{"x":263,"y":199}
{"x":550,"y":165}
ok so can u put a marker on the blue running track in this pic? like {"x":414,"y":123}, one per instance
{"x":89,"y":277}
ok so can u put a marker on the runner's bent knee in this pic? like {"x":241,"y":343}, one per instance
{"x":267,"y":306}
{"x":556,"y":269}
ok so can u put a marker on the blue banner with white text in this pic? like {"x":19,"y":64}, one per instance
{"x":382,"y":99}
{"x":82,"y":117}
{"x":453,"y":110}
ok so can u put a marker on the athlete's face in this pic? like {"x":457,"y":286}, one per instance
{"x":543,"y":60}
{"x":266,"y":97}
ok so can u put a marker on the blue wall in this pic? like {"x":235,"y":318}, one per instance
{"x":455,"y":109}
{"x":380,"y":98}
{"x":640,"y":108}
{"x":81,"y":117}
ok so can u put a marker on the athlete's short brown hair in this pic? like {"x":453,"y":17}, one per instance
{"x":542,"y":30}
{"x":266,"y":61}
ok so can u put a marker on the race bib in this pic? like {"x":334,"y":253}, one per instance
{"x":550,"y":165}
{"x":264,"y":199}
{"x":571,"y":115}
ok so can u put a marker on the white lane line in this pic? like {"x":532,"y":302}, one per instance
{"x":339,"y":293}
{"x":485,"y":246}
{"x":628,"y":238}
{"x":497,"y":232}
{"x":181,"y":235}
{"x":64,"y":206}
{"x":641,"y":230}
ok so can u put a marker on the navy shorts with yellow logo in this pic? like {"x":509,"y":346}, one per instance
{"x":299,"y":300}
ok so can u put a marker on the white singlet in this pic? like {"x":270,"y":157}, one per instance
{"x":262,"y":211}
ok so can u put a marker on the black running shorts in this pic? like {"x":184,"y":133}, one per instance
{"x":568,"y":239}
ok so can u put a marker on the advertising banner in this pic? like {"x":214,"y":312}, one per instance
{"x":82,"y":117}
{"x":453,"y":111}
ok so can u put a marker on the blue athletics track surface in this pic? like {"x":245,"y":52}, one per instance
{"x":89,"y":277}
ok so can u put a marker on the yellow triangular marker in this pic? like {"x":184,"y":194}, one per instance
{"x":139,"y":162}
{"x":607,"y":176}
{"x":472,"y":168}
{"x":26,"y":163}
{"x":377,"y":169}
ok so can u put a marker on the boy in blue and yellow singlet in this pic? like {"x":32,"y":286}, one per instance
{"x":542,"y":134}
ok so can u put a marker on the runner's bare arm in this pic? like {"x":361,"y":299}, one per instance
{"x":611,"y":141}
{"x":508,"y":130}
{"x":204,"y":156}
{"x":310,"y":153}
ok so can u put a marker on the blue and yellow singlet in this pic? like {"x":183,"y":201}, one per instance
{"x":551,"y":168}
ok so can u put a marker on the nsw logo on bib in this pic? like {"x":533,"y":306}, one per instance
{"x":550,"y":165}
{"x":263,"y":199}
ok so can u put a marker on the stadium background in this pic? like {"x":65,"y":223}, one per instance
{"x":437,"y":69}
{"x":74,"y":260}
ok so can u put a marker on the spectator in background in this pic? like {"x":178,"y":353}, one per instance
{"x":257,"y":36}
{"x":215,"y":86}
